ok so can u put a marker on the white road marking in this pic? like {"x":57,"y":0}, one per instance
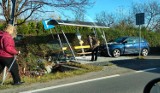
{"x":70,"y":84}
{"x":146,"y":70}
{"x":84,"y":81}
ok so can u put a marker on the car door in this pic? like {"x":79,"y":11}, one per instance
{"x":129,"y":45}
{"x":136,"y":45}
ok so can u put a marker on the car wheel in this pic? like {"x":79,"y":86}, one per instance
{"x":144,"y":52}
{"x":116,"y":53}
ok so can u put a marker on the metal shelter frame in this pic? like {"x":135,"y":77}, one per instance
{"x":77,"y":24}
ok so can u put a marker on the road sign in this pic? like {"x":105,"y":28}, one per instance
{"x":47,"y":24}
{"x":140,"y":19}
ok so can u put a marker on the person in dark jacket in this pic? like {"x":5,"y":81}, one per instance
{"x":94,"y":44}
{"x":7,"y":52}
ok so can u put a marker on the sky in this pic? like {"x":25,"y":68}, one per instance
{"x":110,"y":6}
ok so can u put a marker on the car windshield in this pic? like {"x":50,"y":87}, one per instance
{"x":119,"y":40}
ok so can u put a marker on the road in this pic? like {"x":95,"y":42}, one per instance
{"x":132,"y":82}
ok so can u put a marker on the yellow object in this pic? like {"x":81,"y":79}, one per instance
{"x":80,"y":47}
{"x":64,"y":48}
{"x":83,"y":53}
{"x":81,"y":42}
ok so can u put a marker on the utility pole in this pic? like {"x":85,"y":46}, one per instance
{"x":13,"y":12}
{"x":140,"y":20}
{"x":12,"y":23}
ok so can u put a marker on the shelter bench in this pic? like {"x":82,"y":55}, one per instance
{"x":82,"y":47}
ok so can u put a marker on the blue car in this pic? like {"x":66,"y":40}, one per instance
{"x":125,"y":45}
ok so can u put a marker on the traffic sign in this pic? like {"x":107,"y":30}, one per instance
{"x":140,"y":19}
{"x":48,"y":24}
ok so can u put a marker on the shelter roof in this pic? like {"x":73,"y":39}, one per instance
{"x":77,"y":23}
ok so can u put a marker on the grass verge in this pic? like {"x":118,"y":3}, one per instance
{"x":84,"y":68}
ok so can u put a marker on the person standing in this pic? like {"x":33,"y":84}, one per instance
{"x":94,"y":44}
{"x":7,"y":52}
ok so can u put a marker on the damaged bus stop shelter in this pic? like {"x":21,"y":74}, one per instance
{"x":52,"y":23}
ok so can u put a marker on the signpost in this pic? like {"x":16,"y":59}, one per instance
{"x":13,"y":12}
{"x":47,"y":24}
{"x":80,"y":41}
{"x":12,"y":23}
{"x":140,"y":21}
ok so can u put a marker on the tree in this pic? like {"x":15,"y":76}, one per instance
{"x":30,"y":7}
{"x":79,"y":14}
{"x":39,"y":28}
{"x":152,"y":13}
{"x":23,"y":29}
{"x":105,"y":18}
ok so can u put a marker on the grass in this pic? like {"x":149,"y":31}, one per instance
{"x":140,"y":57}
{"x":57,"y":75}
{"x":109,"y":64}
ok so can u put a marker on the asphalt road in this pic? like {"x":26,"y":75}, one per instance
{"x":132,"y":82}
{"x":122,"y":75}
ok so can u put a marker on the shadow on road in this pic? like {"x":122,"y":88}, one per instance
{"x":138,"y":64}
{"x":133,"y":63}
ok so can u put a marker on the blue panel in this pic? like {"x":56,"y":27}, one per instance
{"x":47,"y":25}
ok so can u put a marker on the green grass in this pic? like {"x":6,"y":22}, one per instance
{"x":53,"y":76}
{"x":140,"y":57}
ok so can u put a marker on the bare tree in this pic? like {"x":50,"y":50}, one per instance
{"x":29,"y":7}
{"x":152,"y":13}
{"x":79,"y":14}
{"x":105,"y":18}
